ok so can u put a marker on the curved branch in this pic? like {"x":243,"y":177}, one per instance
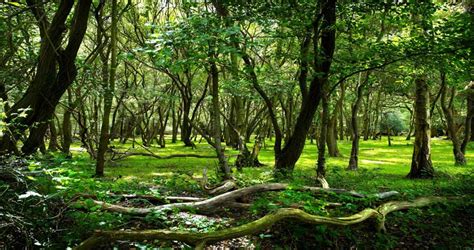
{"x":200,"y":240}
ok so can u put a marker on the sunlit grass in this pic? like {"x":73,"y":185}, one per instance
{"x":380,"y":166}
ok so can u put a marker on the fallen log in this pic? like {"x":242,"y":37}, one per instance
{"x":148,"y":197}
{"x":121,"y":156}
{"x":200,"y":240}
{"x":208,"y":205}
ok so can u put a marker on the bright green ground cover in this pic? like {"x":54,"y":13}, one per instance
{"x":382,"y":168}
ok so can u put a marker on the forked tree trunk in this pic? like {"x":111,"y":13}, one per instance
{"x":451,"y":127}
{"x":421,"y":165}
{"x":56,"y":70}
{"x":285,"y":159}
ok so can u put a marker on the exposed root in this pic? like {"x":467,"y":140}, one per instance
{"x":322,"y":180}
{"x":200,"y":240}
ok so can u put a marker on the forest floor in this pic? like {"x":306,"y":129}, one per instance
{"x":382,"y":168}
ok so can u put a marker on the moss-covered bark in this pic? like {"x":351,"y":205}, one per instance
{"x":200,"y":240}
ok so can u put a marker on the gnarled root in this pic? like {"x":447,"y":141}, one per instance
{"x":200,"y":240}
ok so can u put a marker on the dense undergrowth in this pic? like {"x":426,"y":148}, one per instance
{"x":38,"y":199}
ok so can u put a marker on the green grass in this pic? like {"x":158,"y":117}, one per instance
{"x":381,"y":166}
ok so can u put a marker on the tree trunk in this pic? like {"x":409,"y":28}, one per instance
{"x":340,"y":107}
{"x":469,"y":122}
{"x":216,"y":121}
{"x":451,"y":127}
{"x":331,"y":139}
{"x":354,"y":158}
{"x":53,"y":137}
{"x":375,"y":128}
{"x":367,"y":117}
{"x":421,"y":165}
{"x":412,"y":124}
{"x":109,"y":93}
{"x":186,"y":127}
{"x":321,"y":163}
{"x":56,"y":70}
{"x":174,"y":125}
{"x":66,"y":128}
{"x":285,"y":159}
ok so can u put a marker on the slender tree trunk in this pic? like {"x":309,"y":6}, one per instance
{"x":367,"y":117}
{"x":375,"y":129}
{"x":448,"y":114}
{"x":333,"y":150}
{"x":53,"y":137}
{"x":174,"y":125}
{"x":186,"y":128}
{"x":216,"y":120}
{"x":354,"y":158}
{"x":340,"y":107}
{"x":421,"y":165}
{"x":66,"y":128}
{"x":469,"y":122}
{"x":412,"y":124}
{"x":321,"y":163}
{"x":108,"y":95}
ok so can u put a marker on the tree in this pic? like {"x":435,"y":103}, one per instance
{"x":421,"y":165}
{"x":55,"y":72}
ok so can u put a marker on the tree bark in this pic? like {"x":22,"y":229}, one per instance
{"x":331,"y":139}
{"x":321,"y":162}
{"x":469,"y":122}
{"x":216,"y":120}
{"x":53,"y":137}
{"x":354,"y":158}
{"x":340,"y":107}
{"x":367,"y":117}
{"x":109,"y":93}
{"x":451,"y":127}
{"x":49,"y":84}
{"x":200,"y":240}
{"x":286,"y":159}
{"x":421,"y":165}
{"x":67,"y":128}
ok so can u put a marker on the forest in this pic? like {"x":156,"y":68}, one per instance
{"x":227,"y":124}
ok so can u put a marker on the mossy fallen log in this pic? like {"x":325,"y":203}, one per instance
{"x":200,"y":240}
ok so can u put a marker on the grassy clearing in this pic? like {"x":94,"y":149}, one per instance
{"x":382,"y":168}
